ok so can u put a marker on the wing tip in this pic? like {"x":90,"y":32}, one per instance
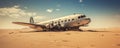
{"x":16,"y":22}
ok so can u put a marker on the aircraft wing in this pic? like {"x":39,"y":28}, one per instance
{"x":24,"y":24}
{"x":34,"y":26}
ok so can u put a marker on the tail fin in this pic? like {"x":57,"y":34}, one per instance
{"x":31,"y":20}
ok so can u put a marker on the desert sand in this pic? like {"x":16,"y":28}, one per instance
{"x":17,"y":38}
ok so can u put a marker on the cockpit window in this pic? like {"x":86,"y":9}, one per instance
{"x":83,"y":16}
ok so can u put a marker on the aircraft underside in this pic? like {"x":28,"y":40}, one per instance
{"x":65,"y":29}
{"x":58,"y":28}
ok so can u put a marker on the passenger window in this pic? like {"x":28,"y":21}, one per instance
{"x":79,"y":17}
{"x":58,"y":21}
{"x":72,"y":19}
{"x":55,"y":22}
{"x":65,"y":20}
{"x":68,"y":19}
{"x":61,"y":21}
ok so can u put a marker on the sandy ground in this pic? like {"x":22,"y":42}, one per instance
{"x":67,"y":39}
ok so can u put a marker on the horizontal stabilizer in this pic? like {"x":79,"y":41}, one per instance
{"x":24,"y":24}
{"x":34,"y":26}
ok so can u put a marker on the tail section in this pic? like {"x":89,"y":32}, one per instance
{"x":31,"y":20}
{"x":31,"y":24}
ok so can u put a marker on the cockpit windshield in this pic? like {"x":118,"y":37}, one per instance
{"x":82,"y":16}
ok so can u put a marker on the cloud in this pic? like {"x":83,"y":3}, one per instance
{"x":26,"y":7}
{"x":58,"y":5}
{"x":116,"y":16}
{"x":49,"y":10}
{"x":57,"y":9}
{"x":81,"y":1}
{"x":38,"y":17}
{"x":15,"y":12}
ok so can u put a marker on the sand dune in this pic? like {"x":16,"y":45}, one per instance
{"x":65,"y":39}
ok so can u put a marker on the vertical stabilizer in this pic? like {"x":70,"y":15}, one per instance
{"x":31,"y":20}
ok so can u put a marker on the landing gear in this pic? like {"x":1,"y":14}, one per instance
{"x":75,"y":29}
{"x":56,"y":28}
{"x":80,"y":30}
{"x":59,"y":27}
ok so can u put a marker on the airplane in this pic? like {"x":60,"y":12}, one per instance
{"x":70,"y":22}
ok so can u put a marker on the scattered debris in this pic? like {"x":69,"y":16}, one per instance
{"x":102,"y":35}
{"x":68,"y":33}
{"x":11,"y":32}
{"x":78,"y":47}
{"x":92,"y":45}
{"x":118,"y":44}
{"x":92,"y":30}
{"x":65,"y":40}
{"x":117,"y":34}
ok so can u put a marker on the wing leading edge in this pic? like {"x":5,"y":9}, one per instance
{"x":34,"y":26}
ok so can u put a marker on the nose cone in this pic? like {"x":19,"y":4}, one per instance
{"x":88,"y":20}
{"x":81,"y":22}
{"x":85,"y":21}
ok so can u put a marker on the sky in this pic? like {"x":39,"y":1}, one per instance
{"x":103,"y":13}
